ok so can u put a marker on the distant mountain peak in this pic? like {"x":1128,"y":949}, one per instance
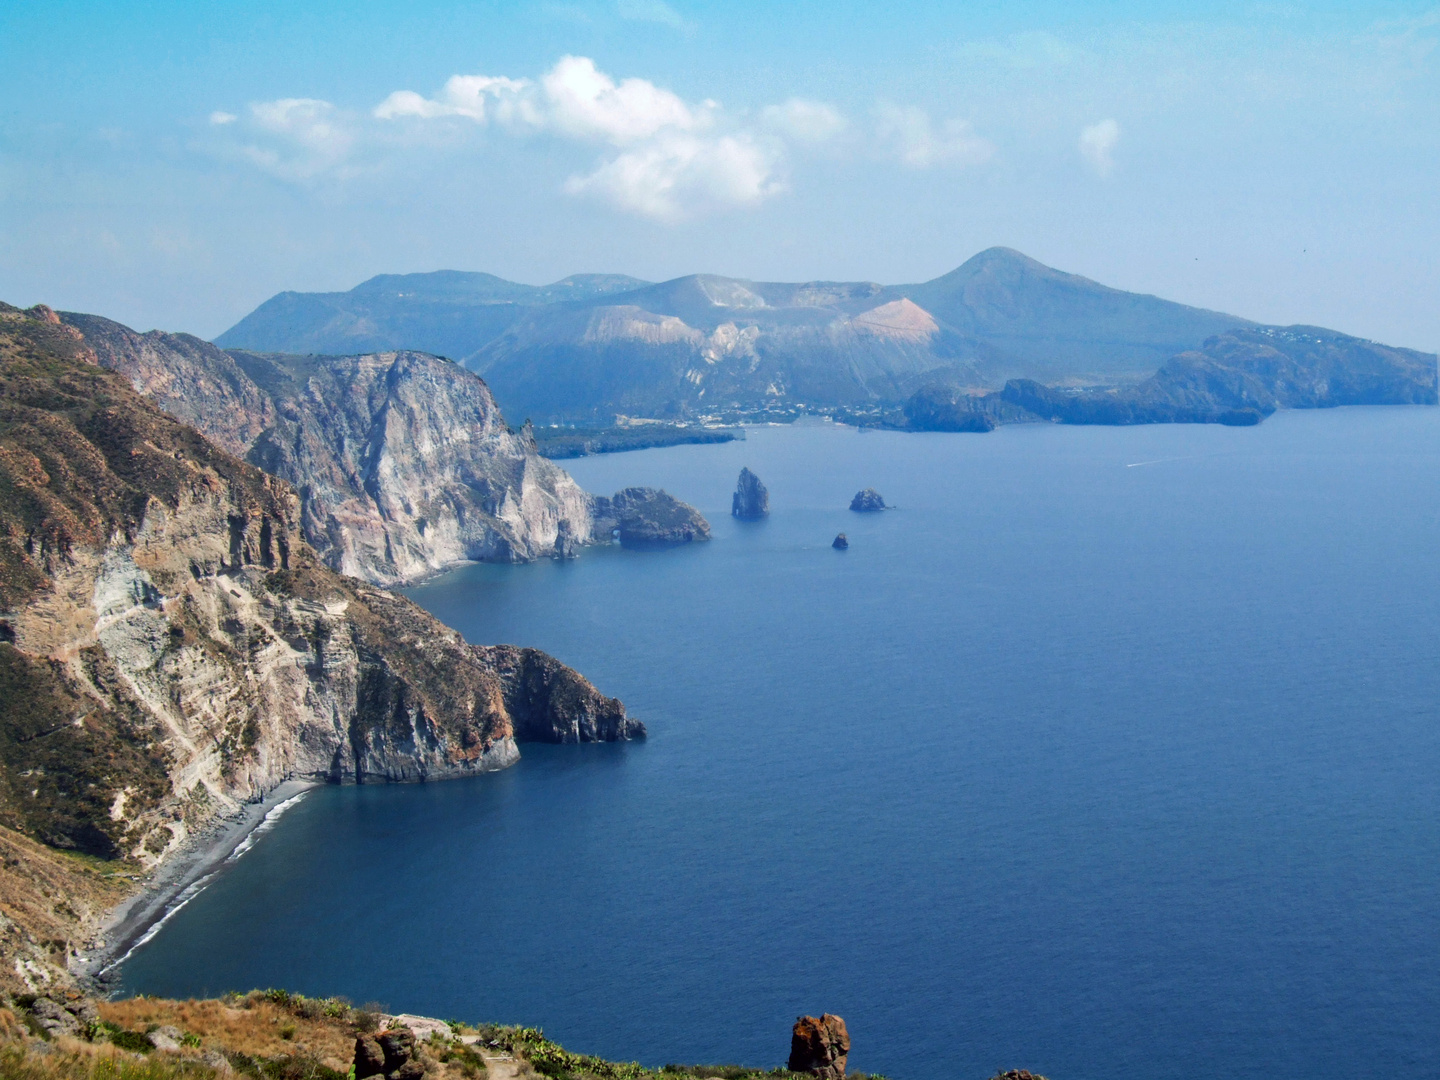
{"x":1007,"y":264}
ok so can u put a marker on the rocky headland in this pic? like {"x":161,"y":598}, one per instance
{"x":172,"y":648}
{"x":402,"y":461}
{"x":1236,"y":378}
{"x":645,"y":515}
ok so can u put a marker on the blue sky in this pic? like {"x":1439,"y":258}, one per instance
{"x":173,"y":164}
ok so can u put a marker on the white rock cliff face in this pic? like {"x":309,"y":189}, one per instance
{"x":164,"y":608}
{"x":407,"y":467}
{"x":403,"y":461}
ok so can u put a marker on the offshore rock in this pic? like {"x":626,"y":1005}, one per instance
{"x":646,"y":515}
{"x":751,"y":500}
{"x":840,"y":543}
{"x":819,"y":1046}
{"x":867,"y":501}
{"x":404,"y":464}
{"x":170,"y":646}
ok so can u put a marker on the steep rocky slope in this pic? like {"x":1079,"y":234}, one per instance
{"x":403,"y":462}
{"x":170,"y":644}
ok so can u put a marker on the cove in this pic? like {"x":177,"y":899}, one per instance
{"x":1110,"y":752}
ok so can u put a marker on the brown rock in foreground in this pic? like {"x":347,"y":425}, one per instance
{"x":392,"y":1054}
{"x":819,"y":1046}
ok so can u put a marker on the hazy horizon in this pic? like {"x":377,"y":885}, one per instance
{"x":172,"y":166}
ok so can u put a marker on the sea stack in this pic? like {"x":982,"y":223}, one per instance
{"x":866,"y":501}
{"x":751,"y":500}
{"x":840,"y":543}
{"x":819,"y":1046}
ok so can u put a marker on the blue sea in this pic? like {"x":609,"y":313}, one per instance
{"x":1109,"y":752}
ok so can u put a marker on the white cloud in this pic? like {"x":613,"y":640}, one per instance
{"x":470,"y":96}
{"x":294,"y":139}
{"x":1097,"y":146}
{"x":659,"y":155}
{"x":671,"y":159}
{"x":804,"y":121}
{"x":219,"y":118}
{"x":585,"y":102}
{"x":909,"y":134}
{"x":679,"y":175}
{"x":653,"y":11}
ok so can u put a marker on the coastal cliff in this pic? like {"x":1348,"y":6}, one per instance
{"x":403,"y":463}
{"x":170,"y":645}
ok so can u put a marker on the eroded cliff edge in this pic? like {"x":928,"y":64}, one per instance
{"x":403,"y":462}
{"x":171,"y":646}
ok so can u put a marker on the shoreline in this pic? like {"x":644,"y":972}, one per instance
{"x":177,"y":880}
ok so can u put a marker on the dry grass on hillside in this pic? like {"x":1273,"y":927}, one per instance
{"x":259,"y":1028}
{"x":50,"y":902}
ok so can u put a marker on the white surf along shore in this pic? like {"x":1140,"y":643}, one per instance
{"x":181,"y":878}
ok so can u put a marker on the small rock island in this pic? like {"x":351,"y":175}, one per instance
{"x":645,"y":515}
{"x":867,"y":501}
{"x":752,"y":500}
{"x":840,"y":543}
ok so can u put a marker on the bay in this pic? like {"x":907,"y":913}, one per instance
{"x":1109,"y":752}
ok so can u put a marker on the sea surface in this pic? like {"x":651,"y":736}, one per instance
{"x":1108,"y":753}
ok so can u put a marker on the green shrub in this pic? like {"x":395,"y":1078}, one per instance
{"x":133,"y":1041}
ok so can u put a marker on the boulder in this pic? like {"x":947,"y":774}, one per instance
{"x":64,"y":1018}
{"x":392,"y":1053}
{"x":751,"y":500}
{"x":819,"y":1046}
{"x":840,"y":543}
{"x":162,"y":1041}
{"x":53,"y":1017}
{"x":867,"y":501}
{"x":1017,"y":1074}
{"x":369,"y":1057}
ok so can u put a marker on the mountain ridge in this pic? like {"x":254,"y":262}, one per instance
{"x":699,"y":344}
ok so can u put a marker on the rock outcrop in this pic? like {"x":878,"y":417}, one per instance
{"x":392,"y":1054}
{"x":840,"y":543}
{"x":645,"y":515}
{"x":947,"y":408}
{"x":64,"y":1017}
{"x":403,"y":461}
{"x":819,"y":1046}
{"x":751,"y":500}
{"x":867,"y":501}
{"x":170,"y":645}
